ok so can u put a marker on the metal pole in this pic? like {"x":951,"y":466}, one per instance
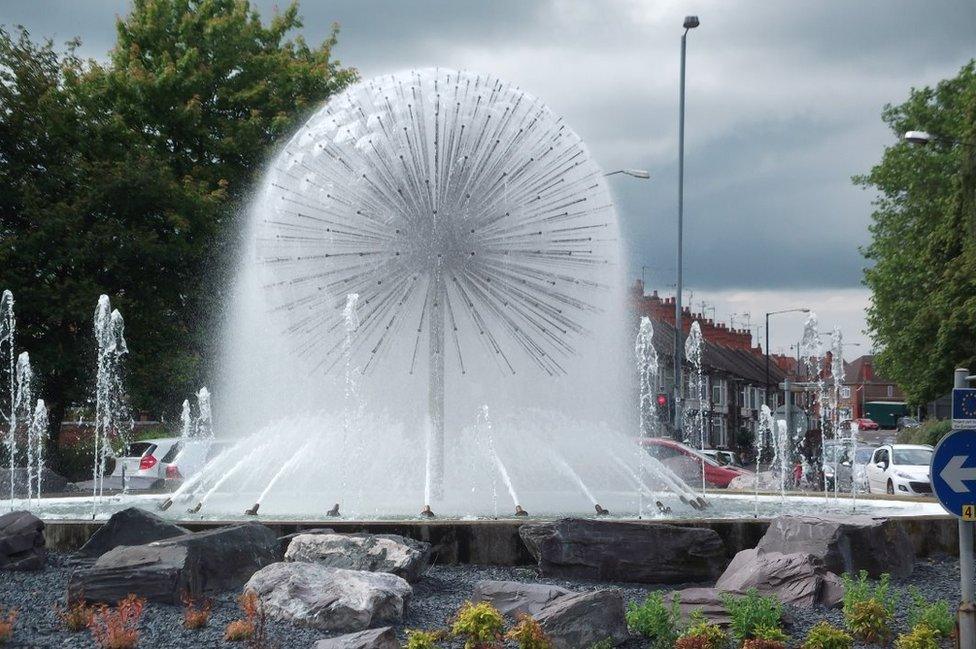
{"x":967,"y":571}
{"x":678,"y":329}
{"x":766,"y":395}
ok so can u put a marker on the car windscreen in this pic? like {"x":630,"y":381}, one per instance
{"x":863,"y":455}
{"x":138,"y":449}
{"x":913,"y":456}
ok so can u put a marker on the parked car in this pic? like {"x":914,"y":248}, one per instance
{"x":905,"y":423}
{"x":863,"y":423}
{"x":724,"y":458}
{"x":901,"y":469}
{"x":837,"y":456}
{"x":144,"y":458}
{"x":186,"y":458}
{"x":687,"y":462}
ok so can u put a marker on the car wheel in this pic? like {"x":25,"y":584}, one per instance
{"x":891,"y":488}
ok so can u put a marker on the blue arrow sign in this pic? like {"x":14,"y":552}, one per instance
{"x":953,"y":472}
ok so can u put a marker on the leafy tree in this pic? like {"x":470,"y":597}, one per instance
{"x":923,"y":248}
{"x":125,"y":179}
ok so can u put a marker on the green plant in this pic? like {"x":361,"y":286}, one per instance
{"x":868,"y":621}
{"x":763,"y":643}
{"x":935,"y":615}
{"x":481,"y":624}
{"x":656,"y":621}
{"x":702,"y":634}
{"x":824,"y":635}
{"x":930,"y":432}
{"x":606,"y":643}
{"x":528,"y":634}
{"x":423,"y":639}
{"x":861,"y":590}
{"x":921,"y":636}
{"x":752,"y":613}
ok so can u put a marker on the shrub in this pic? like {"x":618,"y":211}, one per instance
{"x":238,"y":630}
{"x":606,"y":643}
{"x":423,"y":639}
{"x":860,"y":590}
{"x":76,"y":617}
{"x":868,"y":621}
{"x":196,"y":612}
{"x":118,"y":628}
{"x":7,"y":625}
{"x":252,"y":627}
{"x":921,"y":637}
{"x":655,"y":620}
{"x":930,"y":432}
{"x":702,"y":634}
{"x":753,"y":614}
{"x":763,"y":643}
{"x":826,"y":636}
{"x":528,"y":634}
{"x":481,"y":624}
{"x":935,"y":615}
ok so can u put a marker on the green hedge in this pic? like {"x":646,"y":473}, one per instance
{"x":930,"y":432}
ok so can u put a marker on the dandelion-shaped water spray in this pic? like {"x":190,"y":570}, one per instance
{"x":469,"y":219}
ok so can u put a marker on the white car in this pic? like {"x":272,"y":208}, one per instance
{"x":188,"y":457}
{"x":901,"y":469}
{"x":145,"y":458}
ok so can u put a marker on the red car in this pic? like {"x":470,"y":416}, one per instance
{"x":863,"y":423}
{"x":687,"y":462}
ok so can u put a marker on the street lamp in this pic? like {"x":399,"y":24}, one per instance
{"x":918,"y":137}
{"x":767,"y":342}
{"x":690,"y":23}
{"x":640,"y":174}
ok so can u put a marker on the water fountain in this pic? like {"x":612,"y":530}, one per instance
{"x":695,"y":424}
{"x":811,"y":353}
{"x":648,"y":384}
{"x":111,"y":412}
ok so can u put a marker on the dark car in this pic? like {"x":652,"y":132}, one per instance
{"x":906,"y":423}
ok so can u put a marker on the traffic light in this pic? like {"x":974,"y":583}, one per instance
{"x":663,"y":411}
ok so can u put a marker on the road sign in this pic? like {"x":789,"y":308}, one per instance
{"x":953,"y":473}
{"x":964,"y":408}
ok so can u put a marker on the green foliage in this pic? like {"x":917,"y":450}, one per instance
{"x":702,"y":634}
{"x":868,"y":621}
{"x":824,"y":635}
{"x":655,"y":620}
{"x":930,"y":432}
{"x":922,"y":254}
{"x":527,"y":634}
{"x":921,"y":636}
{"x":753,"y":616}
{"x":606,"y":643}
{"x":423,"y":639}
{"x":480,"y":624}
{"x":935,"y":615}
{"x":125,"y":178}
{"x":763,"y":643}
{"x":860,"y":589}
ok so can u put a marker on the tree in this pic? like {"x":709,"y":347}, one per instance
{"x":922,"y":315}
{"x":125,"y":178}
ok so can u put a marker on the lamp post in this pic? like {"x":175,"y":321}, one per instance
{"x":690,"y":23}
{"x":766,"y":400}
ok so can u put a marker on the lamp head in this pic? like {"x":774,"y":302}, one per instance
{"x":691,"y":22}
{"x":918,"y":137}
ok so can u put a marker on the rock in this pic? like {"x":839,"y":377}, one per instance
{"x":331,"y":599}
{"x":22,"y":542}
{"x":798,"y":579}
{"x":847,"y":544}
{"x":513,"y":597}
{"x":285,"y":541}
{"x":391,"y":553}
{"x":625,"y":551}
{"x":51,"y":482}
{"x":132,"y":526}
{"x":383,"y":638}
{"x":162,"y":571}
{"x":579,"y":620}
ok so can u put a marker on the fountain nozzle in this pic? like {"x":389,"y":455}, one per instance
{"x":253,"y":511}
{"x":661,"y":507}
{"x":702,"y":502}
{"x":195,"y":509}
{"x":600,"y":511}
{"x":519,"y":511}
{"x":334,"y":512}
{"x":166,"y":504}
{"x":426,"y":512}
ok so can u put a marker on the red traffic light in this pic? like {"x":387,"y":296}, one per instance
{"x":662,"y":400}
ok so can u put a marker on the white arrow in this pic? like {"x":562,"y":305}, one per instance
{"x":954,"y":474}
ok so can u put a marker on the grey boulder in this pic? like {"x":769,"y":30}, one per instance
{"x":625,"y":551}
{"x":579,"y":620}
{"x":162,"y":571}
{"x":390,"y":553}
{"x":798,"y":579}
{"x":22,"y":542}
{"x":847,"y":544}
{"x":383,"y":638}
{"x":330,"y":599}
{"x":514,"y":597}
{"x":132,"y":526}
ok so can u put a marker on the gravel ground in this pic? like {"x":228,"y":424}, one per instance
{"x":435,"y":599}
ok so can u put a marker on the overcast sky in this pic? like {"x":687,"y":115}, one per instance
{"x":783,"y":107}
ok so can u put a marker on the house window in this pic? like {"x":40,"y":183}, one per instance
{"x":845,"y":392}
{"x":891,"y":391}
{"x":718,"y":392}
